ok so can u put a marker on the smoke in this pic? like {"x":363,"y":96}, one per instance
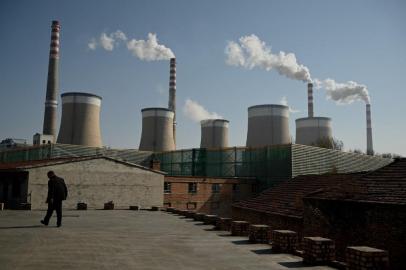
{"x":344,"y":93}
{"x":284,"y":101}
{"x":197,"y":112}
{"x":107,"y":41}
{"x":146,"y":50}
{"x":251,"y":52}
{"x":149,"y":50}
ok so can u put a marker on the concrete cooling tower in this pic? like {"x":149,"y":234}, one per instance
{"x":157,"y":130}
{"x":311,"y":130}
{"x":214,"y":133}
{"x":80,"y":122}
{"x":268,"y":125}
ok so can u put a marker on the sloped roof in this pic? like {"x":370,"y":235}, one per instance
{"x":23,"y":165}
{"x":287,"y":198}
{"x":385,"y":185}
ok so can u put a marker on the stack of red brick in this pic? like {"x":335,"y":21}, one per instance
{"x":367,"y":258}
{"x":318,"y":250}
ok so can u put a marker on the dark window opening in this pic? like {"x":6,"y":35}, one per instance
{"x":215,"y":188}
{"x":236,"y":188}
{"x":191,"y":205}
{"x":167,"y":187}
{"x":192,"y":188}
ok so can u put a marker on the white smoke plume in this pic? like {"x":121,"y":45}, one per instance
{"x":147,"y":50}
{"x":344,"y":93}
{"x":107,"y":41}
{"x":284,"y":101}
{"x":251,"y":52}
{"x":197,"y":112}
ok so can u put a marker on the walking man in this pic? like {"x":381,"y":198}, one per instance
{"x":57,"y":192}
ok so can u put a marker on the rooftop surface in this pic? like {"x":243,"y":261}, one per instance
{"x":128,"y":240}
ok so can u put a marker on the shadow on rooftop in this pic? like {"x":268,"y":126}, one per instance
{"x":265,"y":251}
{"x":22,"y":227}
{"x":242,"y":242}
{"x":294,"y":264}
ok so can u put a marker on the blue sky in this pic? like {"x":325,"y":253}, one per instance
{"x":363,"y":41}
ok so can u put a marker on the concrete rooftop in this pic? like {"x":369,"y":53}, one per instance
{"x":128,"y":240}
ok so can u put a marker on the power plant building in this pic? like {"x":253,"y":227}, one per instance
{"x":80,"y":124}
{"x":157,"y":130}
{"x":268,"y":125}
{"x":214,"y":133}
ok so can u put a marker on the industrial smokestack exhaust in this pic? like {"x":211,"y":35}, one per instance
{"x":310,"y":100}
{"x":370,"y":150}
{"x":80,"y":122}
{"x":172,"y":94}
{"x":51,"y":102}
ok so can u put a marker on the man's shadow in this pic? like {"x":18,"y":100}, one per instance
{"x":22,"y":227}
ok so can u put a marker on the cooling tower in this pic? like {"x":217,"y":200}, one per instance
{"x":268,"y":125}
{"x":172,"y":94}
{"x":214,"y":133}
{"x":51,"y":101}
{"x":312,"y":130}
{"x":80,"y":122}
{"x":157,"y":130}
{"x":370,"y":149}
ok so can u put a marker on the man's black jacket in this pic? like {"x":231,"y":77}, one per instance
{"x":57,"y":190}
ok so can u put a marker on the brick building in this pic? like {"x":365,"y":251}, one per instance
{"x":281,"y":207}
{"x":368,"y":211}
{"x":207,"y":194}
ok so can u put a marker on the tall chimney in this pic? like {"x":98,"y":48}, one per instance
{"x":172,"y":94}
{"x":370,"y":150}
{"x":51,"y":101}
{"x":310,"y":99}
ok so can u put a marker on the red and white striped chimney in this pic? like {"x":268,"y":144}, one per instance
{"x":51,"y":102}
{"x":370,"y":150}
{"x":310,"y":99}
{"x":172,"y":94}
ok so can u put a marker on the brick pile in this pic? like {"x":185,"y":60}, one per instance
{"x":198,"y":216}
{"x":366,"y":258}
{"x":170,"y":209}
{"x":223,"y":224}
{"x":155,"y":208}
{"x":135,"y":207}
{"x":318,"y":250}
{"x":109,"y":205}
{"x":81,"y":206}
{"x":239,"y":228}
{"x":258,"y":233}
{"x":210,"y":219}
{"x":190,"y":214}
{"x":284,"y":241}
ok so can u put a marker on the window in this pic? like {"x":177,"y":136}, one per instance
{"x":167,"y":187}
{"x":191,"y":205}
{"x":236,"y":188}
{"x":43,"y":141}
{"x":192,"y":187}
{"x":215,"y":188}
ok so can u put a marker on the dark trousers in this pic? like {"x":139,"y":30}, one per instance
{"x":57,"y":206}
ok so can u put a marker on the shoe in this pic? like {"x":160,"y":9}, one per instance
{"x":43,"y":222}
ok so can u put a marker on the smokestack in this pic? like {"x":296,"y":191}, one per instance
{"x":157,"y":130}
{"x":172,"y":94}
{"x":370,"y":150}
{"x":51,"y":101}
{"x":214,"y":133}
{"x":310,"y":100}
{"x":80,"y":122}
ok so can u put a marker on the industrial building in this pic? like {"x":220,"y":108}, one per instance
{"x":92,"y":180}
{"x":80,"y":124}
{"x":214,"y":133}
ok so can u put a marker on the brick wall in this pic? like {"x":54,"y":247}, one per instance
{"x":205,"y":200}
{"x":359,"y":224}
